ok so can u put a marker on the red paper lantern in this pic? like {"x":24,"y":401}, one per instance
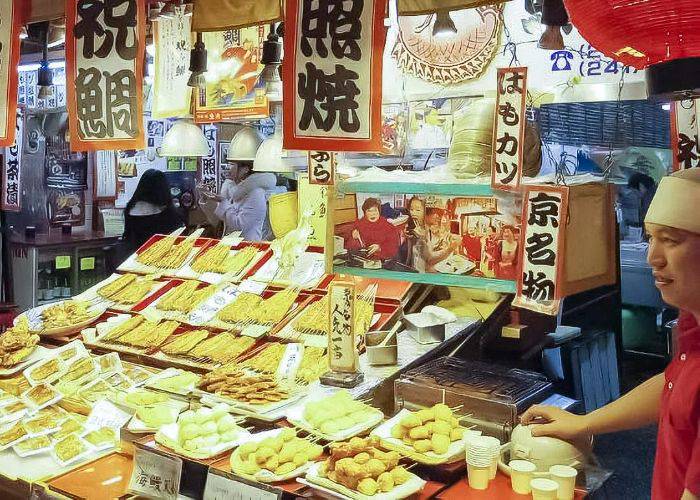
{"x":660,"y":35}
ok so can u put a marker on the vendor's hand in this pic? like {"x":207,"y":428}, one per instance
{"x":372,"y":249}
{"x":555,"y":422}
{"x":356,"y":234}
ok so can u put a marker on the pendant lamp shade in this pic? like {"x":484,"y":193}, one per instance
{"x":661,"y":35}
{"x":184,"y":139}
{"x":244,"y":145}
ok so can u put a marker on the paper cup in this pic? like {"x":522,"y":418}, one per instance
{"x":478,"y":476}
{"x":521,"y":475}
{"x":543,"y":489}
{"x":565,"y":477}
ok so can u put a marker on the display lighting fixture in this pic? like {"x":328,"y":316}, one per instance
{"x":444,"y":26}
{"x":272,"y":59}
{"x":184,"y":139}
{"x":45,"y":76}
{"x":198,"y":64}
{"x":657,"y":35}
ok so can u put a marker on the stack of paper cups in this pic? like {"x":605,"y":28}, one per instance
{"x":521,"y":475}
{"x":565,"y":477}
{"x":480,"y":460}
{"x":543,"y":489}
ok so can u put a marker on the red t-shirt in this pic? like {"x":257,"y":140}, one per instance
{"x":381,"y":232}
{"x":677,"y":463}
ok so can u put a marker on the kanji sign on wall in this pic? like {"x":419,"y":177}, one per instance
{"x":105,"y":44}
{"x":321,"y":167}
{"x":333,"y":74}
{"x":509,"y":128}
{"x":685,"y":134}
{"x":10,"y":24}
{"x":544,"y":221}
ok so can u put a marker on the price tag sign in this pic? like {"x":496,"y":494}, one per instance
{"x":223,"y":487}
{"x":105,"y":414}
{"x":62,"y":262}
{"x":155,"y":475}
{"x":87,"y":263}
{"x":251,"y":286}
{"x":321,"y":167}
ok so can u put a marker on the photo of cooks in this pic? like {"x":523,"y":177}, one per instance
{"x":477,"y":236}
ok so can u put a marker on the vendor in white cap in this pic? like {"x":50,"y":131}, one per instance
{"x":672,"y":398}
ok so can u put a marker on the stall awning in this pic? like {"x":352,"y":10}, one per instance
{"x":420,"y":7}
{"x":220,"y":15}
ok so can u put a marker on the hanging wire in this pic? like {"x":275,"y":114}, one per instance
{"x":609,"y":158}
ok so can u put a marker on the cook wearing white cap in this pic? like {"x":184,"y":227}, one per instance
{"x":670,"y":399}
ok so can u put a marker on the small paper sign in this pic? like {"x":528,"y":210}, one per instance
{"x":321,"y":167}
{"x":291,"y":360}
{"x":342,"y":350}
{"x":220,"y":487}
{"x":87,"y":263}
{"x":250,"y":286}
{"x":105,"y":414}
{"x":62,"y":262}
{"x":155,"y":475}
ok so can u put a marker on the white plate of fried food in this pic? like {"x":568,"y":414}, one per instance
{"x":357,"y":469}
{"x":61,"y":318}
{"x":275,"y":455}
{"x":204,"y":433}
{"x":430,"y":436}
{"x":336,"y":417}
{"x":18,"y":348}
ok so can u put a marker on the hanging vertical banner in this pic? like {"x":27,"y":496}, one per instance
{"x":509,"y":129}
{"x":685,"y":134}
{"x":209,"y":173}
{"x":173,"y":41}
{"x":105,"y":180}
{"x":233,"y":86}
{"x":313,"y":200}
{"x":342,"y":346}
{"x":11,"y":172}
{"x":545,"y":211}
{"x":10,"y":24}
{"x":333,"y":75}
{"x":105,"y":47}
{"x":321,"y":167}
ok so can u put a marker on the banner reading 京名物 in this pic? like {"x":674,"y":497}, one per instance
{"x":11,"y":198}
{"x":333,"y":75}
{"x":105,"y":44}
{"x":685,"y":133}
{"x":509,"y":128}
{"x":10,"y":24}
{"x":173,"y":41}
{"x":544,"y":220}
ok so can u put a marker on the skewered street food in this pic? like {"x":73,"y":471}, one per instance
{"x":218,"y":259}
{"x":256,"y":390}
{"x":148,"y":334}
{"x":184,"y":343}
{"x":123,"y":328}
{"x":79,"y":369}
{"x":241,"y":309}
{"x":314,"y":319}
{"x":221,"y":348}
{"x":15,"y":432}
{"x":273,"y":309}
{"x":63,"y":314}
{"x":267,"y":360}
{"x":430,"y":429}
{"x":185,"y":297}
{"x":278,"y":455}
{"x":166,"y":254}
{"x":314,"y":363}
{"x":17,"y":343}
{"x":46,"y":370}
{"x":115,"y":286}
{"x":337,"y":413}
{"x":133,"y":293}
{"x":360,"y":466}
{"x":205,"y":428}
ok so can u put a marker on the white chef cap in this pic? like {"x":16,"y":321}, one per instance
{"x":677,"y":201}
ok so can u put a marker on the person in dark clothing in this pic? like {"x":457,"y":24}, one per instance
{"x":646,"y":187}
{"x":149,"y":211}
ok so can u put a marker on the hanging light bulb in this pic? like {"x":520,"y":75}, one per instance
{"x":23,"y":34}
{"x":198,"y":64}
{"x":184,"y":139}
{"x":272,"y":59}
{"x":444,"y":26}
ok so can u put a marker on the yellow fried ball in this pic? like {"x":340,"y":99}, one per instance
{"x":367,"y":486}
{"x":410,"y":421}
{"x":440,"y":443}
{"x":385,"y":482}
{"x":422,"y":445}
{"x":420,"y":432}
